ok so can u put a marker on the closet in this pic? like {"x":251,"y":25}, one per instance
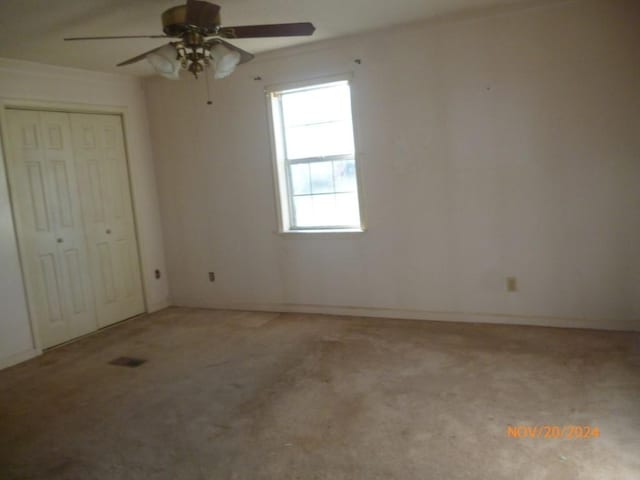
{"x":72,"y":207}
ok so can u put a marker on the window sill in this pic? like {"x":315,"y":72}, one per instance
{"x":321,"y":233}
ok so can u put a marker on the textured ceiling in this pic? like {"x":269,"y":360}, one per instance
{"x":33,"y":29}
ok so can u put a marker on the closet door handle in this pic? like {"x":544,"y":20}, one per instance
{"x":108,"y":231}
{"x":59,"y":240}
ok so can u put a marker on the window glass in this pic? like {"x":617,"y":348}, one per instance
{"x":344,"y":172}
{"x":319,"y":140}
{"x":322,"y":177}
{"x":300,"y":179}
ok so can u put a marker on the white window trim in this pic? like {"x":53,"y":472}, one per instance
{"x":279,"y":164}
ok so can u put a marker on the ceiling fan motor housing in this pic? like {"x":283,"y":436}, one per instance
{"x":174,"y":20}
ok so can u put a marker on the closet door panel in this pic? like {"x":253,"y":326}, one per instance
{"x":49,"y":225}
{"x":31,"y":195}
{"x":73,"y":262}
{"x":108,"y":216}
{"x":50,"y":279}
{"x":73,"y":258}
{"x":37,"y":197}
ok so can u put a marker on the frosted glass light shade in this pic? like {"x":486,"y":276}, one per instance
{"x":165,"y":62}
{"x":224,"y":61}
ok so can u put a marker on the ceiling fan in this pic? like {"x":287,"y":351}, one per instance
{"x":196,"y":26}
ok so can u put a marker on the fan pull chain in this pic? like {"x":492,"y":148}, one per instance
{"x":206,"y":78}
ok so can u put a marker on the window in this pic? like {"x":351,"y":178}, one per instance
{"x":315,"y":157}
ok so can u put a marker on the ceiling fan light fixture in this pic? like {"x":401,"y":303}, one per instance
{"x":165,"y":62}
{"x":225,"y":61}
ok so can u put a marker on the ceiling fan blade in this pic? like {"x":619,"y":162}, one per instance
{"x":244,"y":55}
{"x":274,"y":30}
{"x":115,"y":38}
{"x":140,"y":57}
{"x":202,"y":14}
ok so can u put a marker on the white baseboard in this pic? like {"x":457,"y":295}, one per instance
{"x":18,"y":358}
{"x":466,"y":317}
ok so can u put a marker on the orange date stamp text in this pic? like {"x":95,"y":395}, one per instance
{"x":566,"y":432}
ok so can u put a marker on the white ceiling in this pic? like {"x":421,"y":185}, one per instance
{"x":33,"y":29}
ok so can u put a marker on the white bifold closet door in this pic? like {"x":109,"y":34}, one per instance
{"x":77,"y":279}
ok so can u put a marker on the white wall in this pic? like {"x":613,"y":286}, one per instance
{"x":34,"y":82}
{"x":505,"y":144}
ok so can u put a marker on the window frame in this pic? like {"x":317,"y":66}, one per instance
{"x":281,"y":165}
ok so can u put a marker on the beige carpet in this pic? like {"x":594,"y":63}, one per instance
{"x":240,"y":395}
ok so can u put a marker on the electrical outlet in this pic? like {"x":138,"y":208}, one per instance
{"x":157,"y":273}
{"x":512,"y":284}
{"x":212,"y":277}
